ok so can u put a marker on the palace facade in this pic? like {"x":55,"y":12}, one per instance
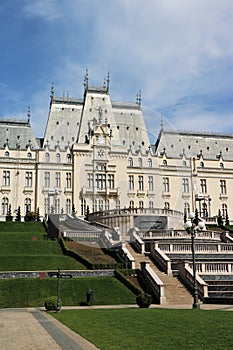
{"x":96,"y":157}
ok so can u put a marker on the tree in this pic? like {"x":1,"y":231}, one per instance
{"x":18,"y":214}
{"x":38,"y":214}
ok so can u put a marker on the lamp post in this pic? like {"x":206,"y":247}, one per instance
{"x":192,"y":226}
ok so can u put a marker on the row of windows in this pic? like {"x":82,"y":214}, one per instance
{"x":140,"y":163}
{"x":101,"y":180}
{"x":6,"y":180}
{"x":55,"y":207}
{"x":5,"y":205}
{"x":47,"y":179}
{"x":58,"y":158}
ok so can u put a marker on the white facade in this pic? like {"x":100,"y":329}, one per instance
{"x":96,"y":154}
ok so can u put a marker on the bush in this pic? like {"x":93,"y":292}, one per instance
{"x":143,"y":300}
{"x":51,"y":303}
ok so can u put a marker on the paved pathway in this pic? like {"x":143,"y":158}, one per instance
{"x":34,"y":329}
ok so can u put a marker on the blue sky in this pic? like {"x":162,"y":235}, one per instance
{"x":178,"y":52}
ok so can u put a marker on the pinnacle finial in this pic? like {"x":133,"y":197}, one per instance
{"x":108,"y":81}
{"x":29,"y":114}
{"x":86,"y":80}
{"x":139,"y":98}
{"x":52,"y":91}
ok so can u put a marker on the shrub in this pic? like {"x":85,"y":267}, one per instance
{"x":143,"y":300}
{"x":51,"y":303}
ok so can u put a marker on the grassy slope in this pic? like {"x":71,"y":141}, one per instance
{"x":23,"y":248}
{"x":33,"y":292}
{"x":149,"y":329}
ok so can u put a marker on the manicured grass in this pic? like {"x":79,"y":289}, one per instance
{"x":150,"y":329}
{"x":33,"y":292}
{"x":23,"y":247}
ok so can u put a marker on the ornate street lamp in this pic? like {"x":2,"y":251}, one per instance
{"x":192,"y":225}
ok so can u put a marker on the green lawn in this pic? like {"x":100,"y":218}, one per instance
{"x":23,"y":247}
{"x":152,"y":329}
{"x":33,"y":292}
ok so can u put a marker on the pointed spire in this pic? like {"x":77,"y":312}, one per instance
{"x":104,"y":86}
{"x":108,"y":81}
{"x":29,"y":114}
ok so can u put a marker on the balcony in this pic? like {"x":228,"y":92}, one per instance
{"x":5,"y":189}
{"x":223,"y":196}
{"x":166,"y":195}
{"x":27,"y":189}
{"x":141,"y":193}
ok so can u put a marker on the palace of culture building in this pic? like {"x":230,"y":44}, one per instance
{"x":96,"y":157}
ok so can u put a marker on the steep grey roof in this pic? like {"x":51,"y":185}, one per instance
{"x":17,"y":133}
{"x":193,"y":144}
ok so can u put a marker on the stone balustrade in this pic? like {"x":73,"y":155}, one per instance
{"x":155,"y":283}
{"x":200,"y":248}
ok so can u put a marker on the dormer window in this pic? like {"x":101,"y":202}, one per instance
{"x":165,"y":162}
{"x":29,"y":155}
{"x":7,"y":154}
{"x":130,"y":162}
{"x":68,"y":158}
{"x":47,"y":157}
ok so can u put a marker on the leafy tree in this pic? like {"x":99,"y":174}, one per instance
{"x":220,"y":219}
{"x":18,"y":214}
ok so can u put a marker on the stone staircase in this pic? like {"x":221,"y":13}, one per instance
{"x":175,"y":292}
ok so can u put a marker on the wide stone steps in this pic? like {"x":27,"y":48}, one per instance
{"x":175,"y":292}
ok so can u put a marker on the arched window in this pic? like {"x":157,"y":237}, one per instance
{"x":47,"y":157}
{"x":29,"y":155}
{"x":68,"y":206}
{"x":130,"y":162}
{"x":202,"y":164}
{"x":141,"y":205}
{"x":27,"y":205}
{"x":131,"y":204}
{"x":150,"y":163}
{"x":166,"y":205}
{"x":140,"y":162}
{"x":221,"y":165}
{"x":5,"y":205}
{"x":7,"y":154}
{"x":165,"y":162}
{"x":68,"y":158}
{"x":58,"y":157}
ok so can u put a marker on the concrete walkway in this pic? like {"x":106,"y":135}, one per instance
{"x":35,"y":329}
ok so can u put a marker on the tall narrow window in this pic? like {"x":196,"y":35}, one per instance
{"x":131,"y":182}
{"x":111,"y":181}
{"x":150,"y":163}
{"x":166,"y":184}
{"x":28,"y":179}
{"x":58,"y":158}
{"x":130,"y":162}
{"x":90,"y":180}
{"x":58,"y":179}
{"x":27,"y":205}
{"x":203,"y":185}
{"x":151,"y":204}
{"x":47,"y":157}
{"x":185,"y":183}
{"x":68,"y":158}
{"x":140,"y":183}
{"x":83,"y":206}
{"x":100,"y":180}
{"x":57,"y":205}
{"x":150,"y":183}
{"x":6,"y":178}
{"x":5,"y":205}
{"x":131,"y":204}
{"x":224,"y":211}
{"x":47,"y":179}
{"x":141,"y":205}
{"x":68,"y":206}
{"x":140,"y":162}
{"x":223,"y":187}
{"x":68,"y":180}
